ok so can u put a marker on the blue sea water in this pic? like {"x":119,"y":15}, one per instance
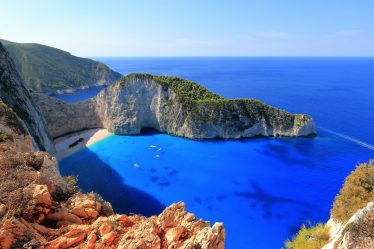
{"x":262,"y":189}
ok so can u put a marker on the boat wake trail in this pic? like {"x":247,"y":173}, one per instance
{"x":352,"y":139}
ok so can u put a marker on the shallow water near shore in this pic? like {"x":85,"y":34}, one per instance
{"x":263,"y":189}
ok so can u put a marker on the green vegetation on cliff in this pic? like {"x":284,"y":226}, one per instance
{"x":187,"y":91}
{"x":204,"y":105}
{"x":49,"y":70}
{"x":314,"y":237}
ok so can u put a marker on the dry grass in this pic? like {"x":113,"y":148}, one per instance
{"x":66,"y":188}
{"x":357,"y":191}
{"x":17,"y":171}
{"x":314,"y":237}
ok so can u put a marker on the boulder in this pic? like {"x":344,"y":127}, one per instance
{"x":3,"y":210}
{"x":40,"y":203}
{"x":84,"y":206}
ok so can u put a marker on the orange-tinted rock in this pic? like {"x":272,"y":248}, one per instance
{"x":107,"y":239}
{"x":73,"y":237}
{"x":144,"y":235}
{"x":13,"y":231}
{"x":63,"y":216}
{"x":174,"y":234}
{"x":91,"y":239}
{"x":84,"y":206}
{"x":3,"y":210}
{"x":174,"y":228}
{"x":105,"y":228}
{"x":124,"y":220}
{"x":41,"y":200}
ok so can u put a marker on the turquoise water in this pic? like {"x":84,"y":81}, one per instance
{"x":262,"y":189}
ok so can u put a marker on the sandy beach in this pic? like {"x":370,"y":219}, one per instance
{"x":88,"y":138}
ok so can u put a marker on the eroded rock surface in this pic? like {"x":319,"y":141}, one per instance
{"x":15,"y":95}
{"x":39,"y":209}
{"x":357,"y":233}
{"x":143,"y":101}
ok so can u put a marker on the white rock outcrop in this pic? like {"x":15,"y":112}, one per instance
{"x":140,"y":101}
{"x":357,"y":233}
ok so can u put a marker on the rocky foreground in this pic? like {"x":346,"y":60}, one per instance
{"x":174,"y":106}
{"x":40,"y":209}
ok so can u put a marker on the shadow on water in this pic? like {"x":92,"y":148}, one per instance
{"x":95,"y":175}
{"x":297,"y":152}
{"x":267,"y":201}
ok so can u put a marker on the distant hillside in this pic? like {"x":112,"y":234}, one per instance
{"x":53,"y":71}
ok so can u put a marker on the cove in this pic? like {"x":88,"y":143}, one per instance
{"x":262,"y":189}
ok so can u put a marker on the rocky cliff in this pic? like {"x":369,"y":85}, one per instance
{"x":352,"y":216}
{"x":357,"y":232}
{"x":174,"y":106}
{"x":40,"y":209}
{"x":53,"y":71}
{"x":14,"y":93}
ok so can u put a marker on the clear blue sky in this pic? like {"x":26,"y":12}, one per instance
{"x":194,"y":27}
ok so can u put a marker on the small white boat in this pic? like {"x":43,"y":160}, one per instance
{"x":136,"y":165}
{"x":157,"y":156}
{"x":153,"y":146}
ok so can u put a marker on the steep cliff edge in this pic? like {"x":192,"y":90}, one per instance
{"x":357,"y":232}
{"x":174,"y":106}
{"x":53,"y":71}
{"x":14,"y":94}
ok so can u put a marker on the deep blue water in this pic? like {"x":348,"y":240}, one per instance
{"x":262,"y":189}
{"x":81,"y":95}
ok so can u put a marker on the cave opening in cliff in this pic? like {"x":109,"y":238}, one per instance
{"x":149,"y":131}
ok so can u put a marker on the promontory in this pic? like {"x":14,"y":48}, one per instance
{"x":171,"y":105}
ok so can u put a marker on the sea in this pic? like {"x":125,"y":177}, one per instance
{"x":262,"y":189}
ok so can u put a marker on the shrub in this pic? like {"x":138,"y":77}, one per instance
{"x":18,"y":203}
{"x":357,"y":191}
{"x":34,"y":160}
{"x":17,"y":171}
{"x":205,"y":105}
{"x":188,"y":92}
{"x":66,"y":189}
{"x":3,"y":137}
{"x":106,"y":207}
{"x":314,"y":237}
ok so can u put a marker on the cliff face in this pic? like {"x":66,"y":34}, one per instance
{"x":53,"y":71}
{"x":352,"y":215}
{"x":145,"y":101}
{"x":357,"y":232}
{"x":14,"y":94}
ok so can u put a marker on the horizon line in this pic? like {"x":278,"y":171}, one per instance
{"x":226,"y":56}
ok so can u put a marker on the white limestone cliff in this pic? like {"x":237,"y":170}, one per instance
{"x":141,"y":101}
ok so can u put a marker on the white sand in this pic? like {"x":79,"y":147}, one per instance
{"x":90,"y":137}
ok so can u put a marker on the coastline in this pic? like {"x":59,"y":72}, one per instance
{"x":88,"y":138}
